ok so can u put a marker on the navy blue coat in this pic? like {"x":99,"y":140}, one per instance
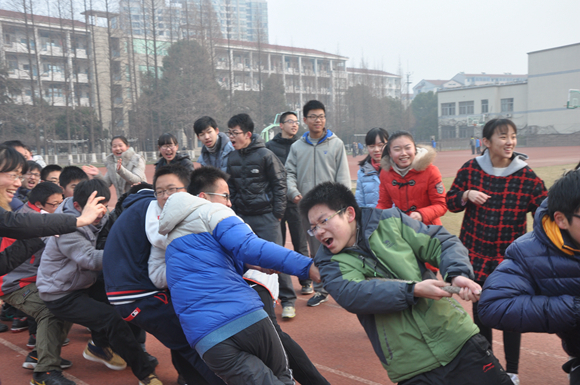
{"x":535,"y":289}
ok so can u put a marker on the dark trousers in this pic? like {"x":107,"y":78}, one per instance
{"x":299,"y":243}
{"x":252,"y":356}
{"x":90,"y":308}
{"x":511,"y":342}
{"x":475,"y":364}
{"x":155,"y":314}
{"x":572,"y":367}
{"x":473,"y":150}
{"x":267,"y":227}
{"x":302,"y":368}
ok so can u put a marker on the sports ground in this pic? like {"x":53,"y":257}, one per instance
{"x":332,"y":337}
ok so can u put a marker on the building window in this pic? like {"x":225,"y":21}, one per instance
{"x":466,"y":108}
{"x":484,"y":106}
{"x":507,"y":105}
{"x":447,"y":109}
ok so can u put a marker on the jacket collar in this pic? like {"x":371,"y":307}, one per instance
{"x":326,"y":136}
{"x":517,"y":163}
{"x":424,"y":158}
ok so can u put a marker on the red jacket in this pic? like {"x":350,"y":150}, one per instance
{"x":420,"y":190}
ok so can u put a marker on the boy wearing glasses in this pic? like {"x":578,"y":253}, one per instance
{"x":537,"y":286}
{"x":216,"y":144}
{"x":31,"y":179}
{"x":371,"y":261}
{"x":318,"y":156}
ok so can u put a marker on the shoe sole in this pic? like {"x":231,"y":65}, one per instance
{"x":317,"y":303}
{"x":32,"y":365}
{"x":18,"y":330}
{"x":307,"y":292}
{"x":97,"y":359}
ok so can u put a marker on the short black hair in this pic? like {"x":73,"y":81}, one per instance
{"x":167,"y":138}
{"x":70,"y":174}
{"x":395,"y":135}
{"x":244,"y":121}
{"x":371,"y":138}
{"x":48,"y":169}
{"x":285,"y":115}
{"x":332,"y":194}
{"x":84,"y":190}
{"x":204,"y":179}
{"x":32,"y":165}
{"x":564,"y":195}
{"x":202,"y":123}
{"x":312,"y":105}
{"x":122,"y":138}
{"x":178,"y":170}
{"x":17,"y":143}
{"x":42,"y":191}
{"x":497,"y":124}
{"x":11,"y":160}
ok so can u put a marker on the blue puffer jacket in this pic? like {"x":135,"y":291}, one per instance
{"x":367,"y":186}
{"x":536,"y":288}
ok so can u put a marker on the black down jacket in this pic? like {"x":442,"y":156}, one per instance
{"x":257,"y":180}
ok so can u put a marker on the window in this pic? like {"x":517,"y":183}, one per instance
{"x":507,"y":105}
{"x":447,"y":109}
{"x":466,"y":108}
{"x":484,"y":106}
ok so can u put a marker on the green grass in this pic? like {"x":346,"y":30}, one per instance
{"x":452,"y":221}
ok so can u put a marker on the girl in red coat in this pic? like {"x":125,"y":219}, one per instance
{"x":409,"y":180}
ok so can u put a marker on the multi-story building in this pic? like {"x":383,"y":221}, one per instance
{"x":467,"y":80}
{"x":381,"y":83}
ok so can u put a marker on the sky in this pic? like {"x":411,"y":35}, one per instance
{"x":429,"y":39}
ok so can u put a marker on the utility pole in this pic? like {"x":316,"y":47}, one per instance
{"x":406,"y":105}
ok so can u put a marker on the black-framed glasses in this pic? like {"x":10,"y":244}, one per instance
{"x":224,"y":195}
{"x":290,"y":121}
{"x":168,"y":192}
{"x":53,"y":205}
{"x":34,"y":174}
{"x":231,"y":134}
{"x":312,"y":231}
{"x":576,"y":215}
{"x":316,"y":117}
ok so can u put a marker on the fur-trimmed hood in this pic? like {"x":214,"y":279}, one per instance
{"x":424,"y":158}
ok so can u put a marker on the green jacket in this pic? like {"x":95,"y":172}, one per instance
{"x":375,"y":280}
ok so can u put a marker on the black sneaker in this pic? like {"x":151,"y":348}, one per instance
{"x":50,"y":378}
{"x":19,"y":324}
{"x":32,"y":359}
{"x":66,"y":342}
{"x":7,"y":313}
{"x":31,"y":344}
{"x":317,"y":299}
{"x":3,"y":328}
{"x":152,"y":359}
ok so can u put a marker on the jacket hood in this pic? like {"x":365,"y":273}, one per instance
{"x":541,"y":234}
{"x":178,"y":207}
{"x":223,"y":141}
{"x":256,"y":143}
{"x":137,"y":197}
{"x":126,"y":156}
{"x":327,"y":136}
{"x":279,"y":139}
{"x":368,"y":169}
{"x":67,"y":207}
{"x":517,"y":163}
{"x":178,"y":156}
{"x":423,"y":159}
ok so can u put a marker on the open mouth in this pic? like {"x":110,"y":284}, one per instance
{"x":11,"y":193}
{"x":327,"y":242}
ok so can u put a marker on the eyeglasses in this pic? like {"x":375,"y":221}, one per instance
{"x":13,"y":177}
{"x":53,"y":205}
{"x":291,"y":121}
{"x":576,"y":215}
{"x":167,"y":146}
{"x":224,"y":195}
{"x":316,"y":117}
{"x":312,"y":231}
{"x":379,"y":146}
{"x":168,"y":192}
{"x":34,"y":174}
{"x":231,"y":134}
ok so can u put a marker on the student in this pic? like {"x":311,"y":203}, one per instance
{"x":318,"y":156}
{"x":496,"y":190}
{"x":210,"y":183}
{"x":124,"y":166}
{"x":45,"y":197}
{"x":280,"y":145}
{"x":69,"y":178}
{"x":410,"y":181}
{"x":31,"y":179}
{"x":168,"y":149}
{"x":69,"y":284}
{"x":536,"y":287}
{"x":222,"y":316}
{"x":371,"y":262}
{"x":216,"y":144}
{"x":51,"y":173}
{"x":19,"y":289}
{"x":134,"y":272}
{"x":472,"y":145}
{"x":25,"y":151}
{"x":368,"y":182}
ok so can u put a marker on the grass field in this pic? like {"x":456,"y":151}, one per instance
{"x":452,"y":221}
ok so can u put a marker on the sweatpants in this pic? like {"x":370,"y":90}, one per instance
{"x":155,"y":314}
{"x":252,"y":356}
{"x":50,"y":332}
{"x":267,"y":227}
{"x":302,"y":368}
{"x":90,"y":308}
{"x":511,"y":341}
{"x":475,"y":364}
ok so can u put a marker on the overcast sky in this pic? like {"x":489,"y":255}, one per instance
{"x":431,"y":39}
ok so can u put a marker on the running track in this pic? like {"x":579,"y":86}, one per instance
{"x":333,"y":338}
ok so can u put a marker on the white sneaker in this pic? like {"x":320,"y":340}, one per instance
{"x":288,"y":312}
{"x":514,"y":377}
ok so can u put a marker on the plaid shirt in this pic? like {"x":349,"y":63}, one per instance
{"x":487,"y":230}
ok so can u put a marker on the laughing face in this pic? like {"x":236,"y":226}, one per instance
{"x":168,"y":151}
{"x":335,"y":230}
{"x":208,"y":137}
{"x":402,"y":151}
{"x":118,"y":147}
{"x":31,"y":179}
{"x":9,"y":183}
{"x":501,"y":145}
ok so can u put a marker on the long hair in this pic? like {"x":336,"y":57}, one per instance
{"x":371,"y":138}
{"x":10,"y":160}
